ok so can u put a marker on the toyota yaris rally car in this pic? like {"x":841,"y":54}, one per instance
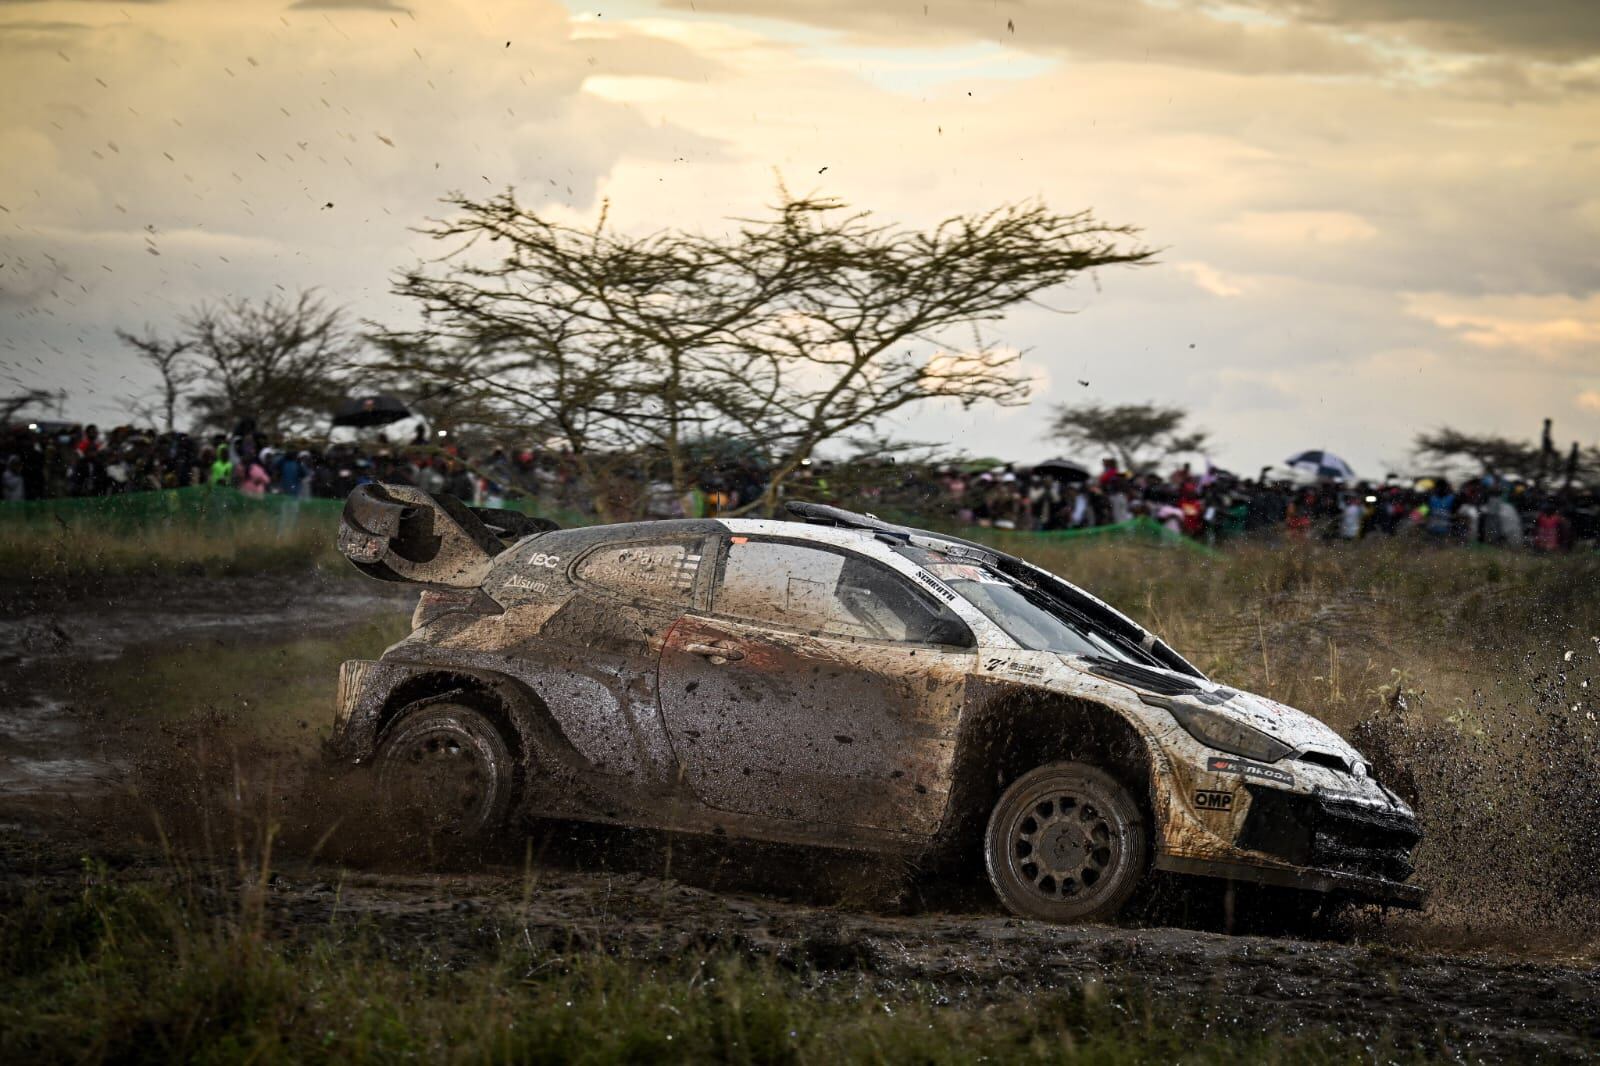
{"x":840,"y":681}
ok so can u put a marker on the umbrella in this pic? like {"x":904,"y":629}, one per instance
{"x":1065,"y":469}
{"x":1325,"y":466}
{"x":375,"y":410}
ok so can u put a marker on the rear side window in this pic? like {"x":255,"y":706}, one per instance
{"x":661,"y":572}
{"x":798,"y":586}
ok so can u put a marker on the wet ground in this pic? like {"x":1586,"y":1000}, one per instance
{"x":651,"y":897}
{"x":49,"y":637}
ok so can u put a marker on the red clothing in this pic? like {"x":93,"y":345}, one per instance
{"x":1194,"y":516}
{"x":1549,"y":532}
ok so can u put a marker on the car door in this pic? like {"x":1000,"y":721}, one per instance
{"x":820,"y":686}
{"x":600,"y":649}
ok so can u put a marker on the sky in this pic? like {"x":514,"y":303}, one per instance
{"x":1373,"y":217}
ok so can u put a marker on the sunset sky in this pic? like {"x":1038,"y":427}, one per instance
{"x":1374,"y":216}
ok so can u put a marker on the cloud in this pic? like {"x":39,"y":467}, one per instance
{"x":1212,"y":280}
{"x":1302,"y":227}
{"x":1241,"y":391}
{"x":1511,"y":81}
{"x":1554,"y":329}
{"x":347,"y":5}
{"x":1179,"y":34}
{"x":1294,"y":212}
{"x":173,"y":154}
{"x":1588,"y":400}
{"x":1555,"y":29}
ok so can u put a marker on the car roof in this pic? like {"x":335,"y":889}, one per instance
{"x":827,"y":524}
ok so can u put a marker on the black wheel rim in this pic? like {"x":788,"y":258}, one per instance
{"x":1063,"y":844}
{"x":440,"y":777}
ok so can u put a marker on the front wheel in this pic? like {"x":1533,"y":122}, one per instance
{"x":1065,"y":843}
{"x":445,"y":770}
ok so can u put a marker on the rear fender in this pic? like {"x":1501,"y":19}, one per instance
{"x":555,"y":771}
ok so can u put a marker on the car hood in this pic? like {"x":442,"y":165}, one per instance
{"x":1296,"y":728}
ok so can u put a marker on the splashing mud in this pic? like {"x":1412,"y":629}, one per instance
{"x":1509,"y":795}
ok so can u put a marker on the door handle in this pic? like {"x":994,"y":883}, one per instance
{"x":714,"y":652}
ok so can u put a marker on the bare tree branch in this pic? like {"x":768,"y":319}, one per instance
{"x":795,"y":328}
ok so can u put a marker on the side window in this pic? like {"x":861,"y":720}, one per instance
{"x":805,"y":587}
{"x":661,"y":572}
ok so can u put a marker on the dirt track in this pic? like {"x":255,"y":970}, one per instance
{"x":592,"y":897}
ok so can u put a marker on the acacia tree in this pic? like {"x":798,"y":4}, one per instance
{"x":173,"y":364}
{"x":794,"y":328}
{"x":1495,"y":454}
{"x":10,"y":405}
{"x":280,"y":361}
{"x":1140,"y":435}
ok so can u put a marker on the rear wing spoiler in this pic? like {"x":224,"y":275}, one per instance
{"x":400,"y":533}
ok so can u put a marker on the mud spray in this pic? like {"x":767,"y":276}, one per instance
{"x":1508,"y":793}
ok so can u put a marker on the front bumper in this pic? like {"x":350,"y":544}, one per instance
{"x":1333,"y":882}
{"x":1318,"y":839}
{"x":1293,"y":823}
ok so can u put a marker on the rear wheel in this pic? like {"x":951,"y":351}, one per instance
{"x":1065,"y":843}
{"x":446,"y":771}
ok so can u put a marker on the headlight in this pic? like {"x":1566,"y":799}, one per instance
{"x":1224,"y":733}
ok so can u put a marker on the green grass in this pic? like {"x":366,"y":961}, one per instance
{"x":146,"y":974}
{"x":250,"y":544}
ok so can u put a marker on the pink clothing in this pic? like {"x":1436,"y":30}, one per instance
{"x":255,"y":481}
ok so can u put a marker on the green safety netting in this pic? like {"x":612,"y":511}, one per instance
{"x":206,"y":507}
{"x":1141,"y":528}
{"x":195,"y":506}
{"x":198,"y":506}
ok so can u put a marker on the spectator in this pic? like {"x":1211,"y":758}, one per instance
{"x":221,"y":475}
{"x":13,"y":486}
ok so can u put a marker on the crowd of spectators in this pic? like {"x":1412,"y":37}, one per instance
{"x":51,"y":461}
{"x":1217,"y":505}
{"x":56,"y":460}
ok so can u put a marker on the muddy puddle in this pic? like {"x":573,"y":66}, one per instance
{"x":51,"y":743}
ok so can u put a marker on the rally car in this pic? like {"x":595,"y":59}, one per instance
{"x":840,"y":681}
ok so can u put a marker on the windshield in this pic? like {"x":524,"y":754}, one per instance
{"x":1033,"y":619}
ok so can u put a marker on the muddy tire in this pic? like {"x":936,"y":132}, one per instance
{"x":446,"y":773}
{"x":1065,"y":843}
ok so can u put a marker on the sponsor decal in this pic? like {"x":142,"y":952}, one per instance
{"x":1000,"y":665}
{"x":1211,"y":800}
{"x":522,"y":581}
{"x":1341,"y":794}
{"x":688,"y":566}
{"x":940,"y":589}
{"x":1221,"y":764}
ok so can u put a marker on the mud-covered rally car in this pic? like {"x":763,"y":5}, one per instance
{"x":840,"y":681}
